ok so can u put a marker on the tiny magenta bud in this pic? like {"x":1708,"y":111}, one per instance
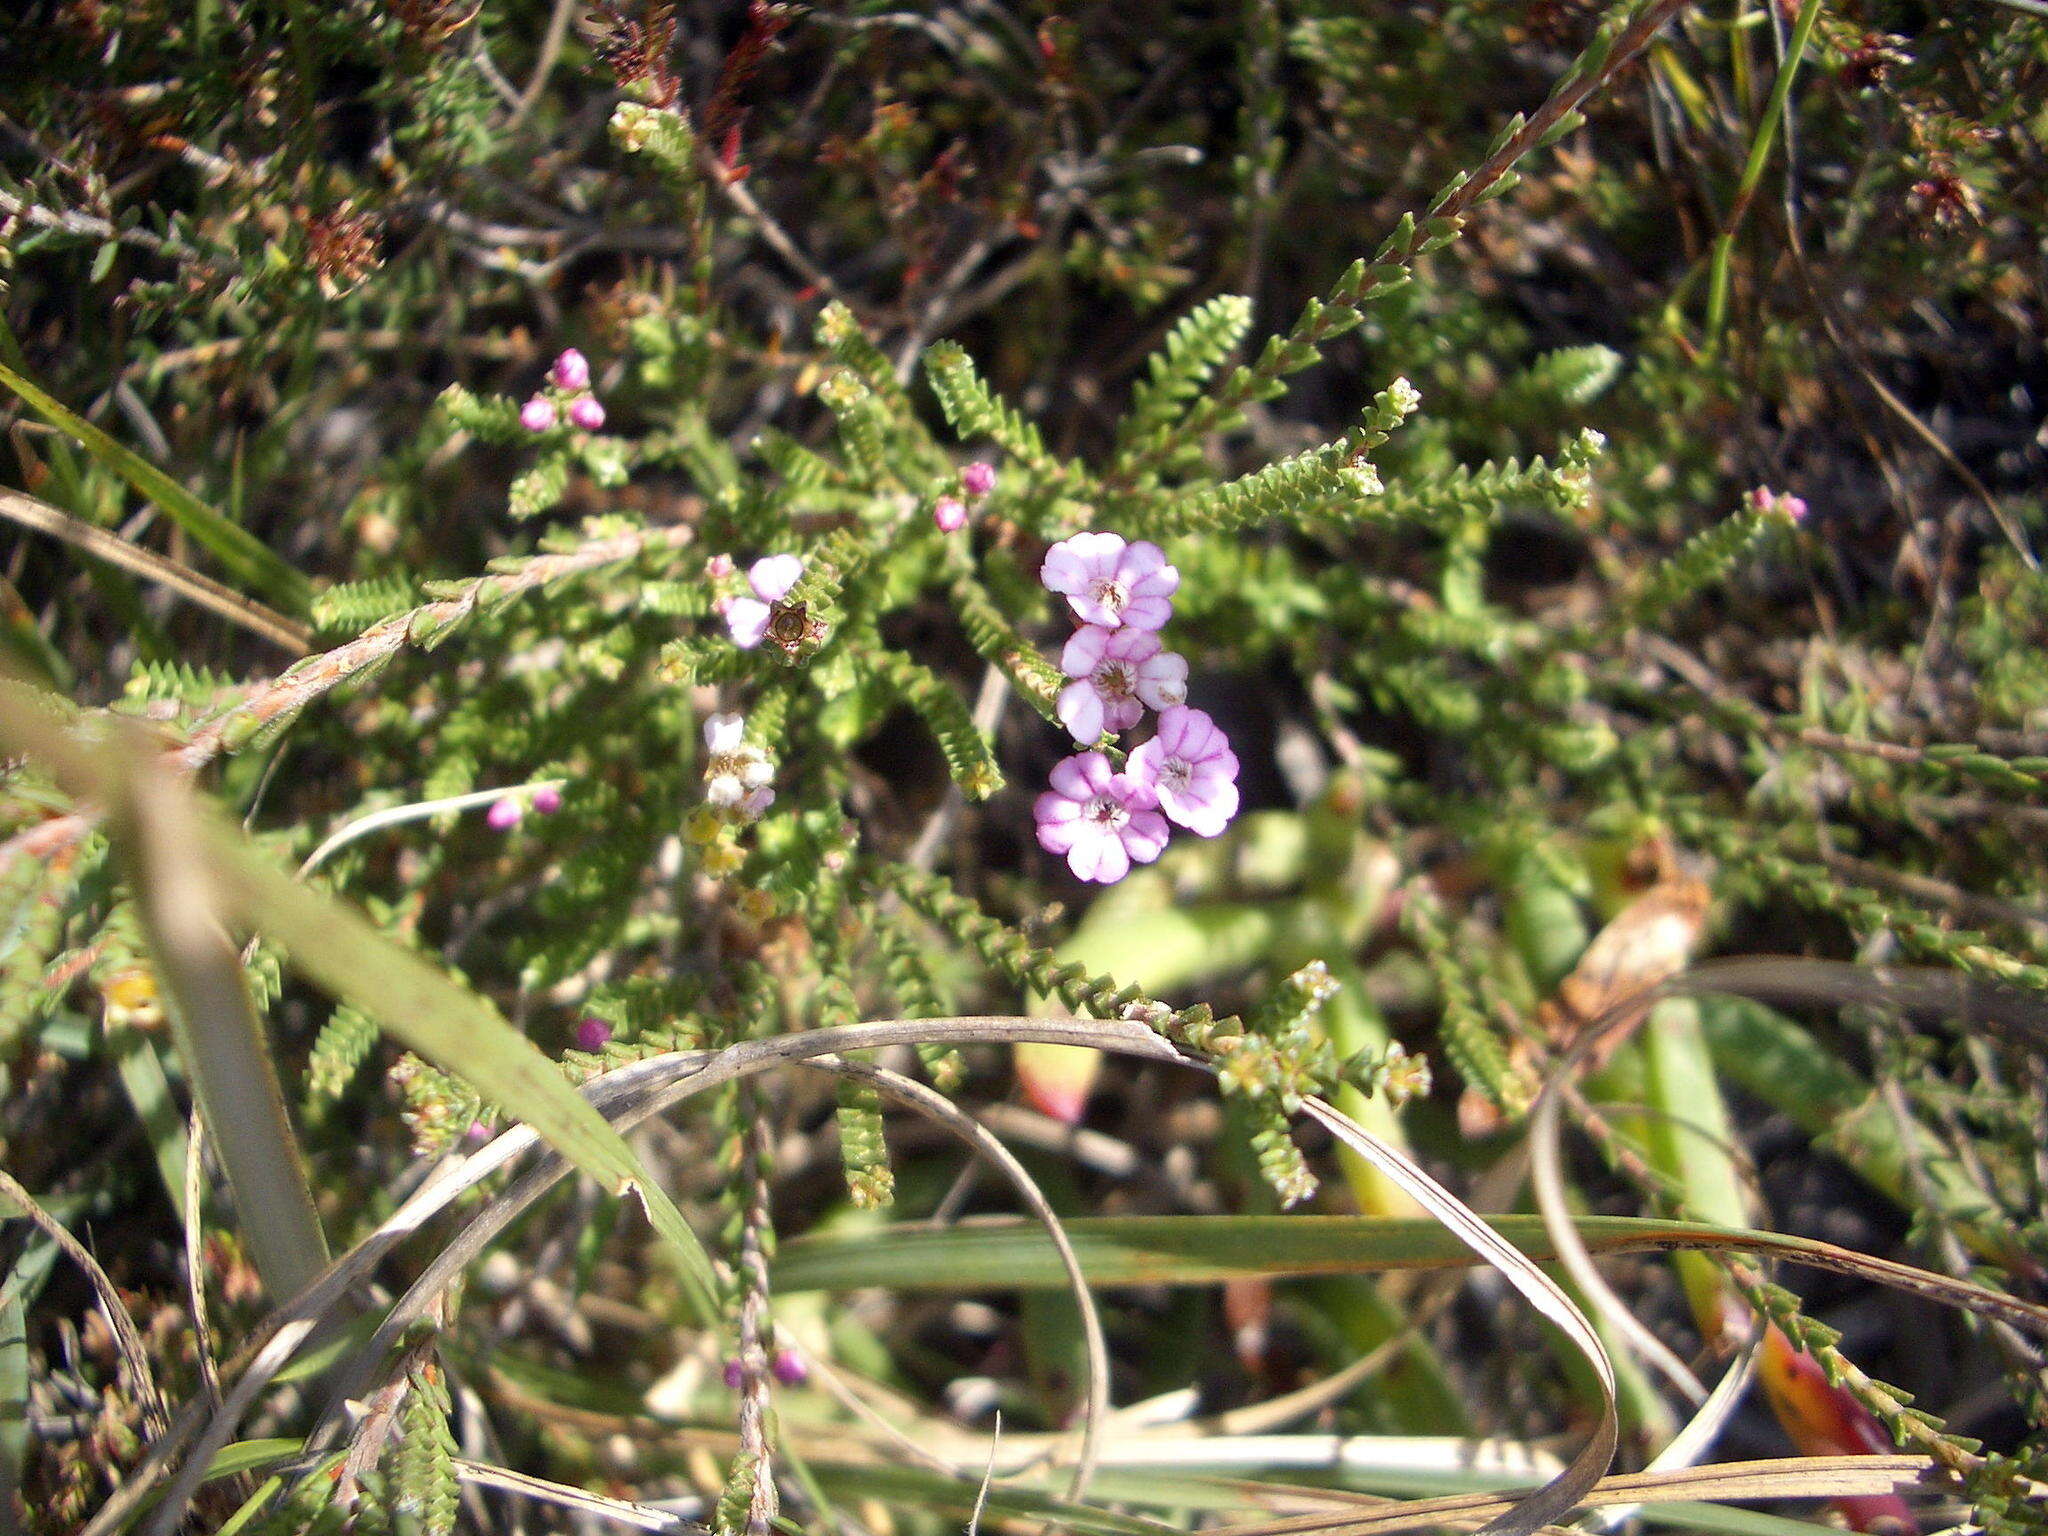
{"x":718,"y":567}
{"x":978,"y":479}
{"x":571,"y":371}
{"x":950,"y":513}
{"x":735,"y":1375}
{"x":586,"y":413}
{"x":503,"y":815}
{"x":593,"y":1034}
{"x":789,"y":1368}
{"x":547,"y":800}
{"x":537,"y":415}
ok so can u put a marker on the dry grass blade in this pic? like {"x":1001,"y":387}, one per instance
{"x":1791,"y":1477}
{"x":1569,"y":1488}
{"x":580,"y":1501}
{"x":133,"y":1354}
{"x":253,"y":616}
{"x":202,"y":1428}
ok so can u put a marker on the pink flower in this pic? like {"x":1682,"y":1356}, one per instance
{"x":1764,"y":501}
{"x":593,"y":1034}
{"x":1111,"y":583}
{"x":977,"y":479}
{"x":1101,"y":820}
{"x":586,"y":413}
{"x":950,"y":513}
{"x":1190,"y":768}
{"x":571,"y":371}
{"x":771,"y":578}
{"x":547,"y":800}
{"x":503,"y":815}
{"x":1118,"y":674}
{"x":538,"y":414}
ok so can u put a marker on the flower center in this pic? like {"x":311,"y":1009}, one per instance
{"x":1174,"y":774}
{"x":1109,"y":592}
{"x":1116,"y":680}
{"x":1106,"y":813}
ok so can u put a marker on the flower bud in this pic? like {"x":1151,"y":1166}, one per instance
{"x":571,"y":372}
{"x":950,"y":513}
{"x":586,"y":413}
{"x":538,"y":414}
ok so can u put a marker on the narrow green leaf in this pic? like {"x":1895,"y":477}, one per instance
{"x":239,"y":550}
{"x":452,"y":1027}
{"x":13,"y":1397}
{"x":1205,"y":1250}
{"x":149,"y":1092}
{"x":155,"y":831}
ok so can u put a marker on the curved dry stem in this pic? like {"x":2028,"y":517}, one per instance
{"x":1565,"y":1492}
{"x":134,"y":1357}
{"x":929,"y":1101}
{"x":664,"y":1081}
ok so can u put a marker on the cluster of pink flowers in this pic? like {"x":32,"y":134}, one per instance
{"x":568,"y":395}
{"x":1100,"y":819}
{"x":977,"y":480}
{"x":507,"y":813}
{"x":1765,"y":501}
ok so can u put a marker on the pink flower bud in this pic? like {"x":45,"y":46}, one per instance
{"x":570,"y":372}
{"x":735,"y":1375}
{"x":538,"y":414}
{"x":950,"y":513}
{"x":718,"y":567}
{"x":503,"y":815}
{"x":593,"y":1034}
{"x":547,"y":800}
{"x":789,"y":1368}
{"x":978,"y":479}
{"x":586,"y":413}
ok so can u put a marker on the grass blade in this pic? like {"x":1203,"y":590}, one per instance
{"x":214,"y":1021}
{"x":239,"y":550}
{"x":1207,"y":1250}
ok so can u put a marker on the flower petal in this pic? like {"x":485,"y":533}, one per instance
{"x":1145,"y":610}
{"x":772,"y":576}
{"x":1109,"y":862}
{"x":1163,"y":680}
{"x":724,"y":733}
{"x":1080,"y":711}
{"x":1082,"y":776}
{"x":1145,"y":835}
{"x":748,"y":621}
{"x":1084,"y":652}
{"x":1142,"y":559}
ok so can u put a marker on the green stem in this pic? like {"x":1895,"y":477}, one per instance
{"x":1753,"y":169}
